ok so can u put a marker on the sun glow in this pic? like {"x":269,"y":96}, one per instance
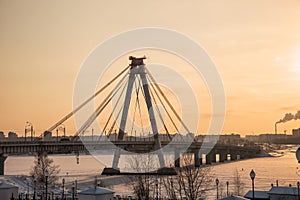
{"x":297,"y":66}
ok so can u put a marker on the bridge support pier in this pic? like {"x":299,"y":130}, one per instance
{"x":222,"y":156}
{"x":207,"y":159}
{"x":233,"y":156}
{"x":197,"y":160}
{"x":210,"y":157}
{"x":2,"y":161}
{"x":243,"y":155}
{"x":213,"y":157}
{"x":177,"y":158}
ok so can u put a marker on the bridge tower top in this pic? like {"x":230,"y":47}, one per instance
{"x":136,"y":61}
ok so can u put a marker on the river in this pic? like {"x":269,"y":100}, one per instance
{"x":267,"y":169}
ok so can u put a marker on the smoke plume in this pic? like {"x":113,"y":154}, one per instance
{"x":297,"y":115}
{"x":289,"y":117}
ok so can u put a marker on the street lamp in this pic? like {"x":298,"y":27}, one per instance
{"x":34,"y":189}
{"x":63,"y":192}
{"x":252,"y":176}
{"x":298,"y":184}
{"x":76,"y":188}
{"x":217,"y":184}
{"x":156,"y":187}
{"x":63,"y":128}
{"x":25,"y":132}
{"x":46,"y":176}
{"x":28,"y":124}
{"x":298,"y":154}
{"x":92,"y":134}
{"x":172,"y":188}
{"x":28,"y":188}
{"x":227,"y":184}
{"x":73,"y":191}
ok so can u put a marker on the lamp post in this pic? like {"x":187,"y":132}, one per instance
{"x":252,"y":176}
{"x":73,"y":191}
{"x":63,"y":128}
{"x":31,"y":130}
{"x":298,"y":158}
{"x":298,"y":184}
{"x":172,"y":188}
{"x":76,"y":188}
{"x":227,"y":184}
{"x":46,"y":177}
{"x":34,"y":189}
{"x":92,"y":134}
{"x":28,"y":189}
{"x":63,"y":191}
{"x":28,"y":126}
{"x":217,"y":184}
{"x":298,"y":154}
{"x":156,"y":187}
{"x":57,"y":135}
{"x":25,"y":132}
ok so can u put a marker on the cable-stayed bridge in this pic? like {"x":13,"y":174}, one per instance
{"x":142,"y":98}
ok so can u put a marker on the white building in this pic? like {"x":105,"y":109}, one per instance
{"x":96,"y":193}
{"x":276,"y":193}
{"x":258,"y":195}
{"x":284,"y":193}
{"x":7,"y":190}
{"x":233,"y":197}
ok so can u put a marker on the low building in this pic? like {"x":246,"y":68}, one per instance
{"x":231,"y":139}
{"x":286,"y":193}
{"x":258,"y":195}
{"x":296,"y":132}
{"x":233,"y":197}
{"x":47,"y":135}
{"x":12,"y":136}
{"x":252,"y":138}
{"x":7,"y":191}
{"x":275,"y":193}
{"x":96,"y":193}
{"x":2,"y":136}
{"x":268,"y":138}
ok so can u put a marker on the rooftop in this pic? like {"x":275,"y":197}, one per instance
{"x":257,"y":195}
{"x":284,"y":190}
{"x":96,"y":191}
{"x":232,"y":197}
{"x":6,"y":186}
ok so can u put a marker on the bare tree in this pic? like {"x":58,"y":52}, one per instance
{"x":42,"y":165}
{"x":168,"y":183}
{"x":222,"y":190}
{"x":142,"y":185}
{"x":192,"y":182}
{"x":238,"y":183}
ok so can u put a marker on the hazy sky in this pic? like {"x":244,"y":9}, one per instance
{"x":255,"y":45}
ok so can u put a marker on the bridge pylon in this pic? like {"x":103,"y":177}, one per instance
{"x":137,"y":68}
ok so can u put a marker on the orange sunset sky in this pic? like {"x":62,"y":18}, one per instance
{"x":255,"y":45}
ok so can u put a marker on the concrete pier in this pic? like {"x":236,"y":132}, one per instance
{"x":197,"y":159}
{"x":177,"y":155}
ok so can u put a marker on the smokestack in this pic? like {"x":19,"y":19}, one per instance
{"x":287,"y":117}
